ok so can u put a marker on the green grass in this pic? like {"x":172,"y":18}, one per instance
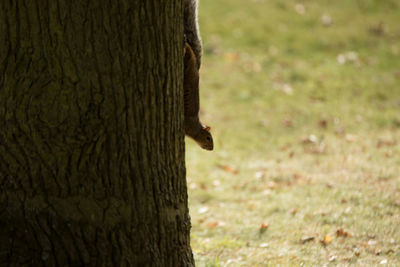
{"x":303,"y":143}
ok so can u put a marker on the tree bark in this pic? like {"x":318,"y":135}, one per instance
{"x":92,"y":169}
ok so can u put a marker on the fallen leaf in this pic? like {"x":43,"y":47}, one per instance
{"x":389,"y":154}
{"x":297,"y":176}
{"x":231,"y":57}
{"x":385,"y":142}
{"x":216,"y":183}
{"x":264,"y":245}
{"x":294,"y":211}
{"x":264,"y":227}
{"x":323,"y":123}
{"x":357,"y":252}
{"x":319,"y":149}
{"x":270,"y":185}
{"x":203,"y":186}
{"x":347,"y":210}
{"x":229,"y":168}
{"x":193,"y":186}
{"x":321,"y":212}
{"x":327,"y":240}
{"x":390,"y":251}
{"x":287,"y":89}
{"x":229,"y":261}
{"x":332,"y":258}
{"x":342,"y":233}
{"x":259,"y":175}
{"x":340,"y":131}
{"x":307,"y":239}
{"x":348,"y":57}
{"x":311,"y":139}
{"x":203,"y":210}
{"x":287,"y":122}
{"x":347,"y":258}
{"x":212,"y":224}
{"x":285,"y":147}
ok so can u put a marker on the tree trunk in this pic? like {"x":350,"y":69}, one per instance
{"x":92,"y":169}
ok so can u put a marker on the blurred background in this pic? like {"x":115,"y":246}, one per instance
{"x":303,"y":100}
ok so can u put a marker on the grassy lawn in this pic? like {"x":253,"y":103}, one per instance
{"x":303,"y":98}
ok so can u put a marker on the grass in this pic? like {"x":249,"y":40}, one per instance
{"x":303,"y":98}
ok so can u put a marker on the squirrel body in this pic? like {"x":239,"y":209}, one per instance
{"x":193,"y":127}
{"x":192,"y":61}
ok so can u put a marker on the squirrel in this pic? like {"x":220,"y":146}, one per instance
{"x":192,"y":61}
{"x":193,"y":127}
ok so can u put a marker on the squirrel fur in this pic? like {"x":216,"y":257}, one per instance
{"x":193,"y":127}
{"x":192,"y":61}
{"x":191,"y":29}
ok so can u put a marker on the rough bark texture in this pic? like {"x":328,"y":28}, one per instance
{"x":92,"y":169}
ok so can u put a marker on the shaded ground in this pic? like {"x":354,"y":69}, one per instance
{"x":304,"y":102}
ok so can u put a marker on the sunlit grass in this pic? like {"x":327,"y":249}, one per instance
{"x":303,"y":98}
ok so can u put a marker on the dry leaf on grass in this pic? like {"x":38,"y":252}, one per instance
{"x":384,"y":261}
{"x":259,"y":175}
{"x":307,"y":239}
{"x":311,"y":139}
{"x":385,"y":142}
{"x":270,"y":185}
{"x":327,"y":240}
{"x":342,"y":233}
{"x":390,"y":251}
{"x":264,"y":227}
{"x":231,"y":57}
{"x":294,"y":211}
{"x":216,"y":183}
{"x":287,"y":122}
{"x":323,"y":123}
{"x":203,"y":210}
{"x":332,"y":258}
{"x":215,"y":224}
{"x":228,"y":168}
{"x":212,"y":224}
{"x":320,"y":149}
